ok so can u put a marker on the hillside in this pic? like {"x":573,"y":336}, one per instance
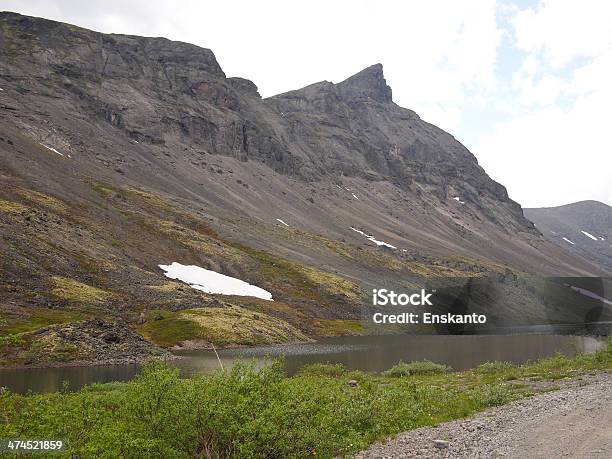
{"x":121,"y":153}
{"x":583,"y":228}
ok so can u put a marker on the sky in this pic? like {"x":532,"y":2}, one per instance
{"x":524,"y":84}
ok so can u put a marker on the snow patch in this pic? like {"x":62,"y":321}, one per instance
{"x":279,"y":220}
{"x":602,"y":238}
{"x":458,"y":199}
{"x":1,"y":89}
{"x":355,"y":196}
{"x":52,"y":149}
{"x":372,"y":239}
{"x":589,"y":235}
{"x":212,"y":282}
{"x":567,"y":240}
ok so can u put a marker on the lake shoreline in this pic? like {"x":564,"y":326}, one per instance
{"x":370,"y":353}
{"x":333,"y":411}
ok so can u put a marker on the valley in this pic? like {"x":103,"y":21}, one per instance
{"x":119,"y":154}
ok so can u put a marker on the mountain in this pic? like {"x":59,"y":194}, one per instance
{"x":122,"y":153}
{"x":583,"y":228}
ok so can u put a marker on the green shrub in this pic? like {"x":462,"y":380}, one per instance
{"x":332,"y":370}
{"x":13,"y":339}
{"x":556,"y":363}
{"x":260,"y":412}
{"x":492,"y":395}
{"x":495,"y":367}
{"x":424,"y":367}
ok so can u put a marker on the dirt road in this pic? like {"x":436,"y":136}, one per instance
{"x":575,"y":421}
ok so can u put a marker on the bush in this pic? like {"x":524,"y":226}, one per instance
{"x":558,"y":362}
{"x":495,"y":367}
{"x":14,"y":339}
{"x":492,"y":395}
{"x":324,"y":369}
{"x":424,"y":367}
{"x":261,"y":413}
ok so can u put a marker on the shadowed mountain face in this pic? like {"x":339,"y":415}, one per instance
{"x":583,"y":228}
{"x":119,"y":153}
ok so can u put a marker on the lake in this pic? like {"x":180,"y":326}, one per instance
{"x":367,"y":353}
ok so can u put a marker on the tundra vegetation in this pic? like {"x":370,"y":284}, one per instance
{"x":323,"y":411}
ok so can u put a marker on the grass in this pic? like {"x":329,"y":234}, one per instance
{"x":29,"y":319}
{"x":168,"y":329}
{"x":52,"y":347}
{"x":261,"y":413}
{"x":219,"y":325}
{"x":301,"y":281}
{"x":105,"y":190}
{"x":47,"y":348}
{"x":338,"y":327}
{"x":12,"y":207}
{"x":424,"y":367}
{"x":75,"y":291}
{"x":42,"y":199}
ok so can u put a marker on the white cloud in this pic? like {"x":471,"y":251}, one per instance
{"x":556,"y":149}
{"x":564,"y":29}
{"x":552,"y":156}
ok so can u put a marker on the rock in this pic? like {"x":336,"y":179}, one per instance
{"x":141,"y":318}
{"x":441,"y":444}
{"x":111,"y":337}
{"x":99,"y":341}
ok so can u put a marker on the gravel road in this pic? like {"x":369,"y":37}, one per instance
{"x":575,"y":421}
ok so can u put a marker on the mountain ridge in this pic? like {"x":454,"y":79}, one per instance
{"x":573,"y":227}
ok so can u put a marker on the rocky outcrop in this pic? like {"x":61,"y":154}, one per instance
{"x":90,"y":342}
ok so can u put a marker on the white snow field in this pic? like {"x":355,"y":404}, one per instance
{"x":375,"y":241}
{"x":212,"y":282}
{"x":52,"y":149}
{"x":589,"y":235}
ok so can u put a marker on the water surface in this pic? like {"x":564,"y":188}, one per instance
{"x":367,"y":353}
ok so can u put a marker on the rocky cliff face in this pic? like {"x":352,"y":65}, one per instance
{"x":353,"y":128}
{"x":167,"y":93}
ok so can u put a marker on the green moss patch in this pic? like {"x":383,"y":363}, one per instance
{"x":75,"y":291}
{"x":338,"y":327}
{"x":12,"y":207}
{"x":218,"y":325}
{"x":43,"y":200}
{"x":21,"y":320}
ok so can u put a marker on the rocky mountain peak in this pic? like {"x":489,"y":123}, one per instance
{"x":369,"y":83}
{"x":244,"y":86}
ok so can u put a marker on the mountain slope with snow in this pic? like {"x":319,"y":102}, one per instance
{"x":584,"y":228}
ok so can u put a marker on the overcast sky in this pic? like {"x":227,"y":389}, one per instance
{"x":525,"y":85}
